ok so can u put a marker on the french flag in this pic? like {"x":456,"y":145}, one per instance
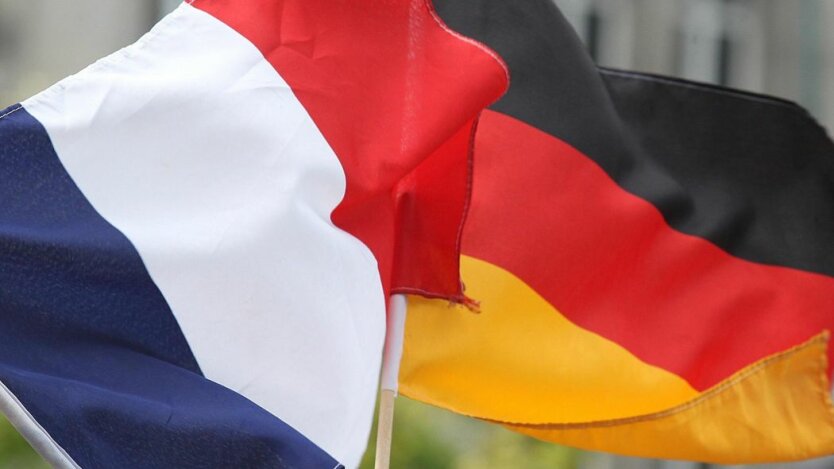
{"x":198,"y":233}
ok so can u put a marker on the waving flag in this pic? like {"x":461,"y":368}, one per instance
{"x":653,"y":259}
{"x":197,"y":233}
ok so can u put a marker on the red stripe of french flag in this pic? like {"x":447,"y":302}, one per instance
{"x":397,"y":95}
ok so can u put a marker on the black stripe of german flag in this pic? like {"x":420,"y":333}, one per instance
{"x":752,"y":174}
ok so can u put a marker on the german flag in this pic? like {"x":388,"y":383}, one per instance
{"x":654,"y":260}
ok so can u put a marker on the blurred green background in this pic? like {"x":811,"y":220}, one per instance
{"x":428,"y":437}
{"x":15,"y":453}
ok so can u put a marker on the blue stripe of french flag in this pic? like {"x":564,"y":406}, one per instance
{"x":154,"y":233}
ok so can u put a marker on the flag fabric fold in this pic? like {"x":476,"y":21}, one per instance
{"x":651,"y":257}
{"x":198,"y":232}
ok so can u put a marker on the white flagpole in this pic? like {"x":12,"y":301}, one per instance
{"x":388,"y":382}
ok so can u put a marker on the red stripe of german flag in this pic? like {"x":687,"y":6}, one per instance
{"x":608,"y":261}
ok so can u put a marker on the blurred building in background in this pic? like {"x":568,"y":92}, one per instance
{"x":779,"y":47}
{"x":783,"y":48}
{"x":41,"y":41}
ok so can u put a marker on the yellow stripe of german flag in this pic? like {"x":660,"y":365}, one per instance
{"x":523,"y":364}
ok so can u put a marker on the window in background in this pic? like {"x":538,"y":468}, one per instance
{"x":606,"y":26}
{"x":768,"y":46}
{"x":812,"y":56}
{"x":722,"y":41}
